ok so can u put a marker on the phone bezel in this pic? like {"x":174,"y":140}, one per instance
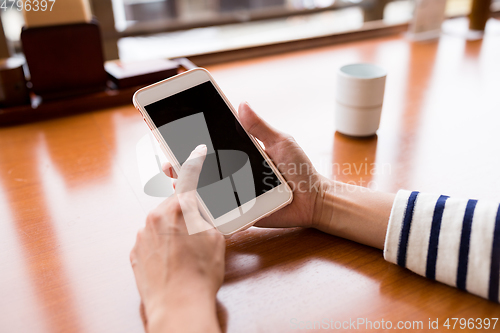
{"x":266,"y":204}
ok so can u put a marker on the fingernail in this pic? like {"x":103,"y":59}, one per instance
{"x":246,"y":102}
{"x":201,"y":148}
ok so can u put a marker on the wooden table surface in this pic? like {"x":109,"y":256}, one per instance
{"x":71,"y":200}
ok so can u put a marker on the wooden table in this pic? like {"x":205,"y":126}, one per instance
{"x":71,"y":200}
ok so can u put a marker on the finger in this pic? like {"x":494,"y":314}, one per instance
{"x":187,"y":183}
{"x":186,"y":189}
{"x":257,"y":126}
{"x":174,"y":183}
{"x":168,"y":170}
{"x":191,"y":169}
{"x":142,"y":311}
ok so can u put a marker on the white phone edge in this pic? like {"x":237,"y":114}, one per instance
{"x":266,"y":204}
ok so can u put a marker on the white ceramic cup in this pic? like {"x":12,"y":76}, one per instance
{"x":359,"y":99}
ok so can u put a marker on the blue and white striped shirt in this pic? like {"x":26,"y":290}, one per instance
{"x":454,"y":241}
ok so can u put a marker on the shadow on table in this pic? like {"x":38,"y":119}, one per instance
{"x":259,"y":249}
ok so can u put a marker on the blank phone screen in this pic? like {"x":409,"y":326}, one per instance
{"x":234,"y":171}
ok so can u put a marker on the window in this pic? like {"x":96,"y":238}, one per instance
{"x":171,"y":28}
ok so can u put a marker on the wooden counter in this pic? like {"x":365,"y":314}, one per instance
{"x":71,"y":200}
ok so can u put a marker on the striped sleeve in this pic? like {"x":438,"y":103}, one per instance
{"x":454,"y":241}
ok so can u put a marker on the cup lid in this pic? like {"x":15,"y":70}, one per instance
{"x":363,"y":71}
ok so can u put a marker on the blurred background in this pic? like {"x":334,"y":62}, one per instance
{"x":150,"y":29}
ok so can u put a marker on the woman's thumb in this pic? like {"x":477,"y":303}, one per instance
{"x":256,"y":126}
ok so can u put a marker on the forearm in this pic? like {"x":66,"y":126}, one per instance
{"x":185,"y":308}
{"x":353,"y":212}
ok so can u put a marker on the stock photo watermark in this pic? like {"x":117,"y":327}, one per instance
{"x":229,"y":181}
{"x":303,"y":177}
{"x":362,"y":324}
{"x":227,"y":184}
{"x":27,"y":5}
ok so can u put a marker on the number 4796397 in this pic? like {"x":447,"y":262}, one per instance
{"x":471,"y":323}
{"x":28,"y":5}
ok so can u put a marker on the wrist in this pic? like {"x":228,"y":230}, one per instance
{"x":181,"y":301}
{"x":324,"y":204}
{"x":353,"y":212}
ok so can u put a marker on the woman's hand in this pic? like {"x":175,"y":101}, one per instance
{"x":177,"y":274}
{"x":348,"y":211}
{"x":293,"y":164}
{"x":300,"y":174}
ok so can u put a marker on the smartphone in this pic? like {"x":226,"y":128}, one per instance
{"x":238,"y":184}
